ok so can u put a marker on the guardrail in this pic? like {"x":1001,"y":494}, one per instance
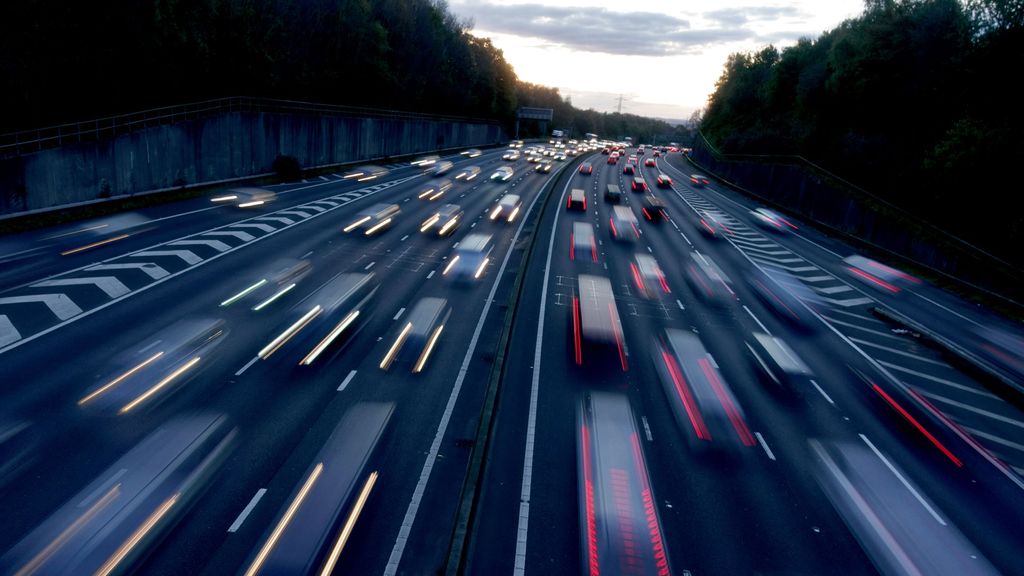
{"x":27,"y":141}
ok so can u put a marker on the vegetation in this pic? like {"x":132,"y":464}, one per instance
{"x":67,"y":60}
{"x":911,"y":100}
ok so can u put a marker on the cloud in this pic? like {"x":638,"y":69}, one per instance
{"x":599,"y":29}
{"x":740,"y":17}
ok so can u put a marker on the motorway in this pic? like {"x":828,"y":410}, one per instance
{"x":940,"y":456}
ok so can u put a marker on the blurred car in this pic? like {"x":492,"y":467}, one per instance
{"x":1003,"y":349}
{"x":440,"y":168}
{"x":374,"y":219}
{"x":467,"y":173}
{"x":877,"y":275}
{"x":115,"y":521}
{"x":586,"y":168}
{"x":613,"y":159}
{"x":434,"y":190}
{"x":327,"y":318}
{"x":471,"y":153}
{"x":366,"y":172}
{"x":164,"y":362}
{"x":708,"y":281}
{"x":535,"y":158}
{"x":596,"y":326}
{"x":281,"y":278}
{"x":624,"y":225}
{"x":648,"y":277}
{"x":701,"y":399}
{"x":312,"y":530}
{"x":544,"y":168}
{"x":245,"y":197}
{"x":508,"y":208}
{"x":902,"y":535}
{"x":653,"y":208}
{"x":650,"y":162}
{"x":583,"y":240}
{"x":502,"y":174}
{"x":471,"y":258}
{"x":771,"y":220}
{"x":577,"y":200}
{"x":698,"y":180}
{"x":559,"y":156}
{"x":425,"y":161}
{"x":777,"y":362}
{"x":712,"y":224}
{"x":657,"y":153}
{"x":443,"y":222}
{"x":511,"y":156}
{"x":638,"y":184}
{"x":613,"y":194}
{"x":419,"y":334}
{"x":628,"y":169}
{"x":785,"y":295}
{"x":664,"y":181}
{"x":623,"y":533}
{"x":85,"y":236}
{"x":633,"y":159}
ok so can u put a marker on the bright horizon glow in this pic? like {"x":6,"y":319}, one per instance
{"x":663,"y":56}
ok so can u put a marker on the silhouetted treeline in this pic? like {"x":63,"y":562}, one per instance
{"x":912,"y":100}
{"x":609,"y":125}
{"x":68,"y":60}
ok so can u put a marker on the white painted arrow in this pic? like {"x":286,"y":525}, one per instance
{"x":263,"y":227}
{"x":281,"y":220}
{"x":155,"y":272}
{"x":109,"y":284}
{"x":791,"y":268}
{"x":8,"y":333}
{"x":215,"y":244}
{"x":314,"y":207}
{"x":298,"y":213}
{"x":834,"y":289}
{"x":189,"y":257}
{"x":243,"y":236}
{"x":61,"y":306}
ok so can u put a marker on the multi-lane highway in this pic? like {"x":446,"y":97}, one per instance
{"x":210,"y":389}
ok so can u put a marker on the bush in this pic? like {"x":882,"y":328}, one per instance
{"x":287,"y":167}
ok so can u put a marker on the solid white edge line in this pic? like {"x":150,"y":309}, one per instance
{"x":247,"y":365}
{"x":902,"y":480}
{"x":764,"y":445}
{"x":344,"y":383}
{"x":247,"y":510}
{"x":435,"y":447}
{"x":524,"y":493}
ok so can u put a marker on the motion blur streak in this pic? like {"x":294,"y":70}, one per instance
{"x":917,"y":425}
{"x":37,"y":562}
{"x":390,"y":356}
{"x":224,"y":198}
{"x":874,"y":280}
{"x":251,"y":204}
{"x":243,"y":293}
{"x":94,"y":244}
{"x":657,"y":545}
{"x":120,"y":378}
{"x":377,"y":226}
{"x":356,"y":224}
{"x":287,"y":334}
{"x":330,"y":338}
{"x":429,"y":222}
{"x":271,"y":300}
{"x":696,"y":419}
{"x":449,"y":266}
{"x":448,"y":225}
{"x":588,"y":480}
{"x":146,"y":395}
{"x":350,"y":523}
{"x":576,"y":330}
{"x":617,"y":330}
{"x":730,"y":408}
{"x":137,"y":536}
{"x":279,"y":529}
{"x":480,"y":269}
{"x":512,"y":216}
{"x":430,"y":347}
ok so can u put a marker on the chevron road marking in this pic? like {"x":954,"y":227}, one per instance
{"x":189,"y":257}
{"x":215,"y":244}
{"x":110,"y":285}
{"x":243,"y":236}
{"x":61,"y":306}
{"x":155,"y":272}
{"x":8,"y":333}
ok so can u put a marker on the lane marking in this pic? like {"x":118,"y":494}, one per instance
{"x":902,"y":479}
{"x":680,"y":304}
{"x":766,"y":331}
{"x":970,"y":408}
{"x":247,"y":365}
{"x":938,"y":380}
{"x":899,"y":352}
{"x":399,"y":314}
{"x":647,"y":429}
{"x":370,"y":265}
{"x":823,"y":393}
{"x":431,"y":275}
{"x":764,"y":445}
{"x":245,"y":511}
{"x":344,"y":383}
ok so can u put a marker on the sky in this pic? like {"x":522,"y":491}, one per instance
{"x":662,"y":57}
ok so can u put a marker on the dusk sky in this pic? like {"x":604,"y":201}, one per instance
{"x":662,"y":56}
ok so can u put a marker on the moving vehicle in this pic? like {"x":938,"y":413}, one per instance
{"x":544,"y":168}
{"x":877,"y":275}
{"x":638,"y":184}
{"x":468,"y":173}
{"x":624,"y":225}
{"x":613,"y":194}
{"x":365,"y":173}
{"x":443,"y":222}
{"x":471,"y":153}
{"x":374,"y":219}
{"x":777,"y":362}
{"x":266,"y":288}
{"x":698,"y":180}
{"x":586,"y":168}
{"x":440,"y":168}
{"x":502,"y":174}
{"x":664,"y":181}
{"x":771,"y":220}
{"x":471,"y":258}
{"x":245,"y":197}
{"x":650,"y":162}
{"x":628,"y":169}
{"x":653,"y":208}
{"x":577,"y":200}
{"x":708,"y":281}
{"x":434,"y":190}
{"x":596,"y":326}
{"x":583,"y":241}
{"x":712,"y":224}
{"x":508,"y":208}
{"x":419,"y":334}
{"x":648,"y":277}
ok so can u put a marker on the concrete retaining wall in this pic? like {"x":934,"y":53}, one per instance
{"x":231,"y":145}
